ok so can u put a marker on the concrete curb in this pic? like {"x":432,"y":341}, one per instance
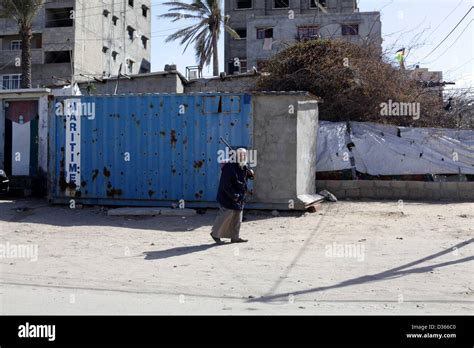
{"x":150,"y":212}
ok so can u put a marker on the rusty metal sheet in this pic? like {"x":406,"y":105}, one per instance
{"x":148,"y":149}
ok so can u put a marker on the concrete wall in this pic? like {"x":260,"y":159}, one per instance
{"x":306,"y":130}
{"x":275,"y":134}
{"x":172,"y":82}
{"x":395,"y":190}
{"x":143,"y":83}
{"x":232,"y":83}
{"x":283,"y":133}
{"x":93,"y":31}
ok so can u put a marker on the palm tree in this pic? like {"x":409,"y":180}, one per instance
{"x":205,"y":33}
{"x":23,"y":12}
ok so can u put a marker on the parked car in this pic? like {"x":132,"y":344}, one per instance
{"x":4,"y":182}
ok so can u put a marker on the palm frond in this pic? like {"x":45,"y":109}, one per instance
{"x":212,"y":4}
{"x":180,"y":33}
{"x":176,"y":16}
{"x":192,"y":38}
{"x":231,"y":32}
{"x":203,"y":48}
{"x":182,"y":6}
{"x":204,"y":34}
{"x":22,"y":11}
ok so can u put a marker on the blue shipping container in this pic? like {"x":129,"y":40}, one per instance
{"x":153,"y":149}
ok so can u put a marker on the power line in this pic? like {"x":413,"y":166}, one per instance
{"x":441,"y":23}
{"x":461,"y":66}
{"x":456,"y":40}
{"x":447,"y":36}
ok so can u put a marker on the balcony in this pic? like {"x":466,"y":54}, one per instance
{"x":8,"y":57}
{"x":57,"y":36}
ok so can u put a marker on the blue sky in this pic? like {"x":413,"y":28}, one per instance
{"x":421,"y":24}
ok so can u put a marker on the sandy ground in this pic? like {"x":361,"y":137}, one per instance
{"x":348,"y":258}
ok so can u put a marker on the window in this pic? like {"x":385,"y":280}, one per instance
{"x":350,"y":29}
{"x":242,"y":33}
{"x":115,"y":20}
{"x":243,"y":65}
{"x":243,"y":4}
{"x":59,"y":17}
{"x":15,"y":45}
{"x":313,"y":3}
{"x":145,"y":67}
{"x":37,"y":41}
{"x":11,"y":81}
{"x":237,"y":65}
{"x":281,"y":3}
{"x":131,"y":32}
{"x":131,"y":3}
{"x":106,"y":13}
{"x":114,"y":55}
{"x":264,"y":33}
{"x":130,"y":64}
{"x":57,"y":57}
{"x":145,"y":11}
{"x":308,"y":32}
{"x":144,"y":42}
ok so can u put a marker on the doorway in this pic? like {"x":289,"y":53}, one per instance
{"x":21,"y":138}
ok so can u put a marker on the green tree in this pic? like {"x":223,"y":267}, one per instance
{"x":24,"y":13}
{"x":204,"y":33}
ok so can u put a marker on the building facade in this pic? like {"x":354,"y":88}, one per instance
{"x":266,"y":27}
{"x":74,"y":40}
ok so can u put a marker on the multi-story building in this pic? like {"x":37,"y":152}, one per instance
{"x":75,"y":40}
{"x":266,"y":27}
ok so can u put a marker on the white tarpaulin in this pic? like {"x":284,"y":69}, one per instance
{"x":390,"y":150}
{"x":67,"y":91}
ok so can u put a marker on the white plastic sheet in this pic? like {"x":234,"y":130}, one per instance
{"x":391,"y":150}
{"x":67,"y":91}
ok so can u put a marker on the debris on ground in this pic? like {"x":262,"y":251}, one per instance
{"x":313,"y":208}
{"x":328,"y":195}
